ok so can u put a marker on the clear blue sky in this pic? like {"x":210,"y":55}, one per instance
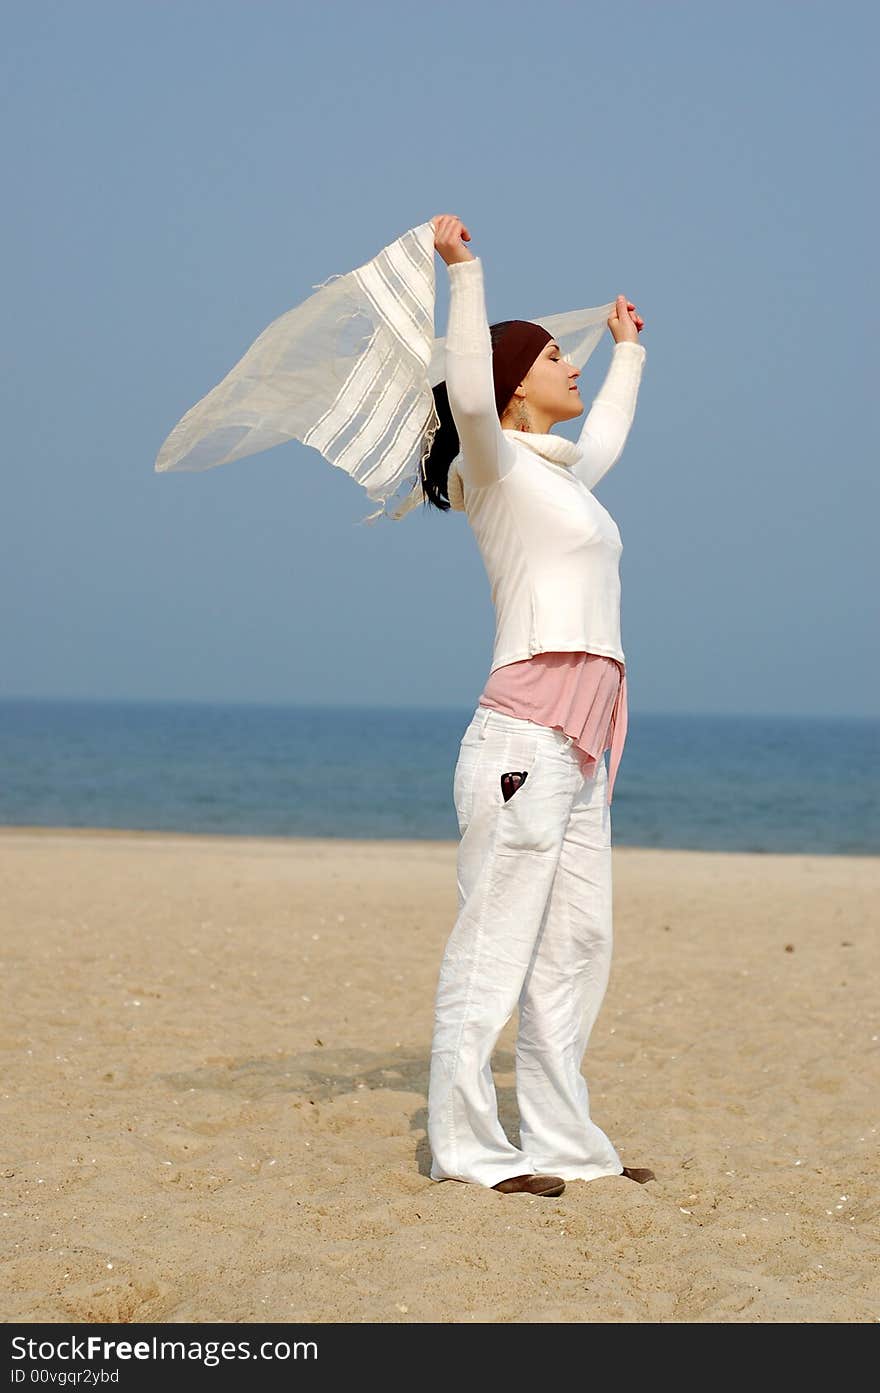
{"x":177,"y":175}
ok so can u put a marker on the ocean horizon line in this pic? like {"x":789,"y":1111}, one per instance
{"x":244,"y":704}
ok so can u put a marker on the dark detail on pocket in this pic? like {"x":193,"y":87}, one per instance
{"x":511,"y":781}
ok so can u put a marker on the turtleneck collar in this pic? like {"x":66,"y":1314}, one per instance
{"x":554,"y":448}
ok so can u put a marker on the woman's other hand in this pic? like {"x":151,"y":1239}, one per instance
{"x":625,"y":322}
{"x":449,"y":233}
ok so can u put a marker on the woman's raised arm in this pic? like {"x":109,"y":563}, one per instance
{"x":486,"y":454}
{"x":604,"y":432}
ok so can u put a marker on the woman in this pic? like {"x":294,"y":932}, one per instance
{"x":532,"y":796}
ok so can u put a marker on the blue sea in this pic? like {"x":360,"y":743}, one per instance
{"x":713,"y":783}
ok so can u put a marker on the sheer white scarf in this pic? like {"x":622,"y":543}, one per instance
{"x":349,"y":371}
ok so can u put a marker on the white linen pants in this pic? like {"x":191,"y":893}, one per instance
{"x":534,"y":929}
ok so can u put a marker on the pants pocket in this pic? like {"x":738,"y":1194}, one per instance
{"x":534,"y":818}
{"x":481,"y":762}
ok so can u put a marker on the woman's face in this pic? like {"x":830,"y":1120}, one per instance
{"x":551,"y":386}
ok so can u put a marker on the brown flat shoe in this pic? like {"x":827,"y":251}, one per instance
{"x":531,"y":1185}
{"x":639,"y":1173}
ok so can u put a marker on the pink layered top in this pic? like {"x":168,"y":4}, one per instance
{"x":582,"y":694}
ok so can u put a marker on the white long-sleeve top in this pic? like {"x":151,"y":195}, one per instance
{"x":551,"y":551}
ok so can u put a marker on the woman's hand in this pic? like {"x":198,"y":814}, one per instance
{"x":449,"y":233}
{"x":625,"y":323}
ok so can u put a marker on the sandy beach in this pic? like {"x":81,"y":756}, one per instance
{"x":215,"y":1061}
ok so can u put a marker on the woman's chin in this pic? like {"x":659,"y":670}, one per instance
{"x":575,"y":408}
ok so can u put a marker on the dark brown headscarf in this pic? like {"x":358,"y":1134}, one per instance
{"x":516,"y":343}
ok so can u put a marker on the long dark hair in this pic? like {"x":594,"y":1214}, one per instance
{"x":445,"y":446}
